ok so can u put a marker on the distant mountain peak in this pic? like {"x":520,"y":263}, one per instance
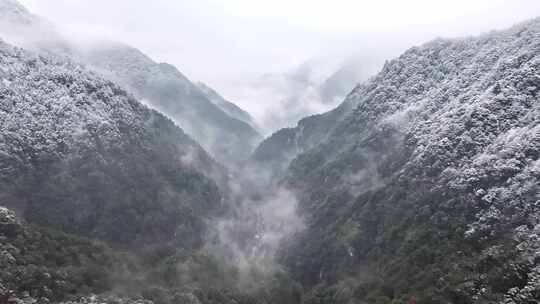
{"x":226,"y":106}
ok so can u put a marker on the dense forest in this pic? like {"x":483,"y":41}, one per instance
{"x":422,"y":186}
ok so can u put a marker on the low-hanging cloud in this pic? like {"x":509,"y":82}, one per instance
{"x":188,"y":33}
{"x":259,"y":220}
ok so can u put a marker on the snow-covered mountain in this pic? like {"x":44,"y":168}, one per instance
{"x":66,"y":132}
{"x":160,"y":85}
{"x":421,"y":186}
{"x":110,"y":190}
{"x":166,"y":89}
{"x":428,"y":187}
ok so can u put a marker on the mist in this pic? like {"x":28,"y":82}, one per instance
{"x":170,"y":151}
{"x":261,"y":45}
{"x":250,"y":237}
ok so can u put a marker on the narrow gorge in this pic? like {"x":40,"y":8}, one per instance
{"x":122,"y":181}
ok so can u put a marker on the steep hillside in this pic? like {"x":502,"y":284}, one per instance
{"x":160,"y":85}
{"x":226,"y":106}
{"x":275,"y":153}
{"x":163,"y":87}
{"x":430,"y":187}
{"x":423,"y":186}
{"x":42,"y":265}
{"x":118,"y":200}
{"x":79,"y":154}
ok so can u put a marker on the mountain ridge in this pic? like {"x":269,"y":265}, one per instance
{"x":423,"y":186}
{"x":432,"y":177}
{"x":163,"y":86}
{"x":228,"y":107}
{"x":216,"y":130}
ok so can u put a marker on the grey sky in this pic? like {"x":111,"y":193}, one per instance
{"x":228,"y":44}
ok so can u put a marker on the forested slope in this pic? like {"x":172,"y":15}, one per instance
{"x":430,"y":187}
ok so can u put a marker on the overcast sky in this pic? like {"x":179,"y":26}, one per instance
{"x":229,"y":43}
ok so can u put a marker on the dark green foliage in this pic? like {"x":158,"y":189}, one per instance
{"x":53,"y":265}
{"x":430,"y":186}
{"x":227,"y":138}
{"x":275,"y":153}
{"x":423,"y":185}
{"x":95,"y":162}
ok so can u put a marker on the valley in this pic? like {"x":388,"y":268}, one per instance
{"x":122,"y":181}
